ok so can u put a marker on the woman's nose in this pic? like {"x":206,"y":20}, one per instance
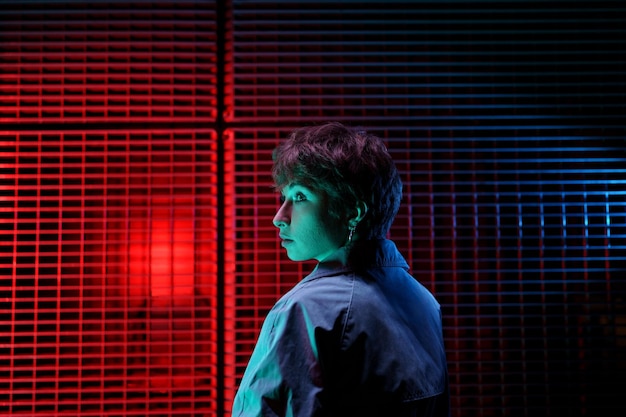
{"x":281,"y":219}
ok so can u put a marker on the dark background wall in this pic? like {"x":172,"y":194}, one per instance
{"x":138,"y":256}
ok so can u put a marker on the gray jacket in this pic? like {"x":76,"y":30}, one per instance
{"x":364,"y":340}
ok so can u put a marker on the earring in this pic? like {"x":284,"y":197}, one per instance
{"x":351,"y":233}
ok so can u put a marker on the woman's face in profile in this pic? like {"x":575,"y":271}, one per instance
{"x":305,"y":227}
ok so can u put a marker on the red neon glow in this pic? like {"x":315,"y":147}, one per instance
{"x":162,"y":254}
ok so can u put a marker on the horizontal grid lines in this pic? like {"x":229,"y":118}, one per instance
{"x":136,"y":205}
{"x":443,"y":63}
{"x":111,"y":304}
{"x":507,"y":124}
{"x":108,"y":62}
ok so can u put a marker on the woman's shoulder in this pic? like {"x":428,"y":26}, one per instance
{"x":322,"y":294}
{"x":328,"y":288}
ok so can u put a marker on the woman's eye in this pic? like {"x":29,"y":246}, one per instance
{"x":296,"y":197}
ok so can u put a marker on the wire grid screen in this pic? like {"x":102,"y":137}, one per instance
{"x":525,"y":258}
{"x":108,"y":61}
{"x":506,"y":120}
{"x":525,"y":253}
{"x":110,"y":273}
{"x":261,"y":272}
{"x":507,"y":123}
{"x":110,"y":233}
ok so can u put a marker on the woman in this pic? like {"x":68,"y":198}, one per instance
{"x":359,"y":336}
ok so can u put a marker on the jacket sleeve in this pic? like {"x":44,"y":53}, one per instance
{"x":283,"y":375}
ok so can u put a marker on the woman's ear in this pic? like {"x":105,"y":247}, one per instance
{"x":359,"y":213}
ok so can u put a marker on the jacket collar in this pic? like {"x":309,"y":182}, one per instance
{"x":376,"y":253}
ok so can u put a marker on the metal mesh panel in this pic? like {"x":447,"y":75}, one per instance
{"x":110,"y":272}
{"x":507,"y":124}
{"x":77,"y":62}
{"x":138,"y":255}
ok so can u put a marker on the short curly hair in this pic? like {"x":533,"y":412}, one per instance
{"x":348,"y":165}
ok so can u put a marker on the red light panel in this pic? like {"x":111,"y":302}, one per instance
{"x":111,"y":296}
{"x":111,"y":62}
